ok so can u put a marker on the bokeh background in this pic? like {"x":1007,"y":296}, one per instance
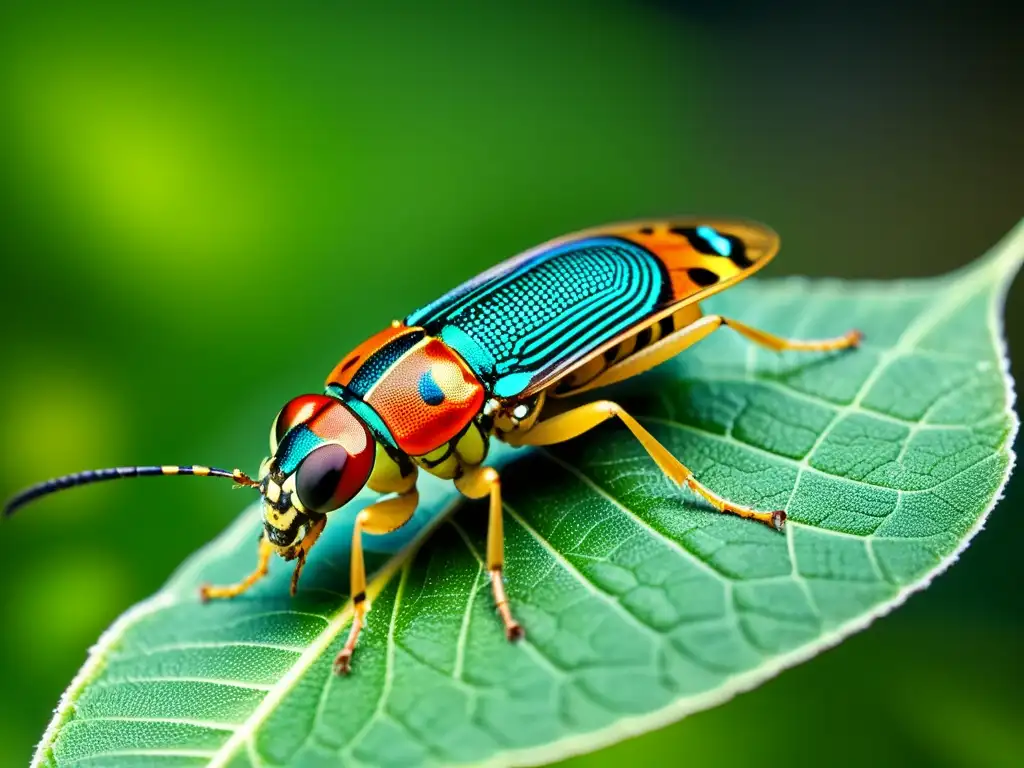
{"x":204,"y":205}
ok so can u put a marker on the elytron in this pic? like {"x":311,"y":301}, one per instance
{"x":428,"y":393}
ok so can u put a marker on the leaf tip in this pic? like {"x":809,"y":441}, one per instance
{"x":1007,"y":255}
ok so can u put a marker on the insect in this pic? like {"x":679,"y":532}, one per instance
{"x":427,"y":393}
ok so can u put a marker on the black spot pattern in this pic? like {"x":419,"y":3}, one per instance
{"x":702,"y":277}
{"x":737,"y":248}
{"x":667,"y":325}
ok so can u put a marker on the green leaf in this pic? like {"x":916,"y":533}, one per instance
{"x":641,"y":604}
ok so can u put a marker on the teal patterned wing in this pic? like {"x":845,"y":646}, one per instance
{"x":534,"y":318}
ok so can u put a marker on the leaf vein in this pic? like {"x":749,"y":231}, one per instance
{"x":672,"y":543}
{"x":212,"y":725}
{"x":119,"y":681}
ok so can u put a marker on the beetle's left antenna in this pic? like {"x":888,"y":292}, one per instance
{"x":116,"y":473}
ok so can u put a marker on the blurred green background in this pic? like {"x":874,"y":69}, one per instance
{"x":203,"y":206}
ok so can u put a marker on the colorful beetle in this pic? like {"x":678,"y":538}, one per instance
{"x":579,"y":312}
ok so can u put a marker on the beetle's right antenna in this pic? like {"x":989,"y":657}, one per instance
{"x":100,"y":475}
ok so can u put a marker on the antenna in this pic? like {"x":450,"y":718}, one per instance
{"x":116,"y":473}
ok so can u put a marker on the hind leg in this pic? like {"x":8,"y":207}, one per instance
{"x":570,"y":424}
{"x":677,"y":341}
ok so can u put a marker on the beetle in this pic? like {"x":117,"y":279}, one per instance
{"x":429,"y":392}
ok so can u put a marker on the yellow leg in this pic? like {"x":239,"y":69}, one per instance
{"x":206,"y":592}
{"x":303,"y":549}
{"x":476,"y":483}
{"x":671,"y":345}
{"x":378,"y":518}
{"x":570,"y":424}
{"x":780,"y":344}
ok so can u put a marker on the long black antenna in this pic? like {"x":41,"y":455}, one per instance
{"x":116,"y":473}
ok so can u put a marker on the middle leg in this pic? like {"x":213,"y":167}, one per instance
{"x":476,"y":483}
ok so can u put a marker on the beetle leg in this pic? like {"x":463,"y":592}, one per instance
{"x":781,"y":344}
{"x":303,"y":549}
{"x":381,"y":517}
{"x":207,"y":592}
{"x":476,"y":483}
{"x":570,"y":424}
{"x":671,"y":345}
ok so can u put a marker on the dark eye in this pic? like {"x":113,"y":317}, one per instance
{"x":319,"y":479}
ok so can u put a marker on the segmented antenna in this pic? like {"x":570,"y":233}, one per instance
{"x":116,"y":473}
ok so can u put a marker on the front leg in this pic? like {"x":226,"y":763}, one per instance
{"x":208,"y":592}
{"x":381,"y":517}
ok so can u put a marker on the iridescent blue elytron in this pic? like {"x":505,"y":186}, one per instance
{"x":561,"y":302}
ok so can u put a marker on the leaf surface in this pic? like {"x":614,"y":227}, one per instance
{"x":641,"y":604}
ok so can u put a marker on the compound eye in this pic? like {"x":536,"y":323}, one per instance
{"x":296,"y":411}
{"x":321,"y":482}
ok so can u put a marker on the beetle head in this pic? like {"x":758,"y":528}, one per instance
{"x":321,"y":456}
